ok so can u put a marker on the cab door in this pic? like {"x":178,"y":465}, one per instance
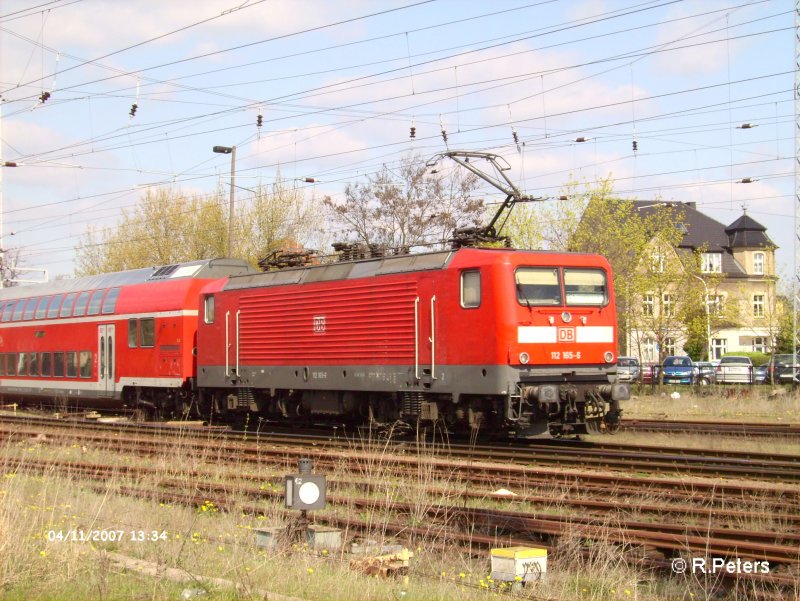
{"x":106,"y":368}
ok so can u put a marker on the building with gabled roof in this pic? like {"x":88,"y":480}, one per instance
{"x":738,"y":261}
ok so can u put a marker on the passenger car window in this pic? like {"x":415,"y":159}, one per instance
{"x":133,"y":333}
{"x":147,"y":332}
{"x":72,"y":365}
{"x":94,"y":303}
{"x":41,"y":308}
{"x":110,"y":301}
{"x":538,"y":286}
{"x":58,"y":365}
{"x":80,"y":304}
{"x":55,"y":303}
{"x":66,"y":306}
{"x":8,"y":311}
{"x":30,"y":308}
{"x":18,"y":310}
{"x":86,"y":364}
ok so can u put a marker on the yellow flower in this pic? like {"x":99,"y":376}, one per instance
{"x":42,"y":553}
{"x":627,"y":592}
{"x":462,"y":575}
{"x":220,"y":548}
{"x":324,"y":551}
{"x":444,"y":574}
{"x":310,"y":570}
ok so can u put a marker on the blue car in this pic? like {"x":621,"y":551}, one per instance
{"x":679,"y":370}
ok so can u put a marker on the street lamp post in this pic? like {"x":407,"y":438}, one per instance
{"x":231,"y":150}
{"x":708,"y":317}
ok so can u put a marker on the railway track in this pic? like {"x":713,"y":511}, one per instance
{"x":520,"y":521}
{"x":577,"y":455}
{"x":469,"y":527}
{"x":753,"y":429}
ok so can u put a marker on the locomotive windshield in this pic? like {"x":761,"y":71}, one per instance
{"x":585,"y":287}
{"x":541,"y":286}
{"x":538,"y":286}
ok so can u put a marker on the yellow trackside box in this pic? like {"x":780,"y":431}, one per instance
{"x":519,"y":564}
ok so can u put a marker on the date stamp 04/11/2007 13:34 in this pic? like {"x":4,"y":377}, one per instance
{"x":102,"y":536}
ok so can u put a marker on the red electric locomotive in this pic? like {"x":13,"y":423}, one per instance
{"x":493,"y":339}
{"x":119,"y":339}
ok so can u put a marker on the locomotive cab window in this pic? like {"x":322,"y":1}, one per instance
{"x":471,"y":289}
{"x":208,"y":309}
{"x":585,"y":287}
{"x":538,"y":286}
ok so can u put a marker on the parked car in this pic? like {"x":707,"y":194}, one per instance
{"x":761,"y":374}
{"x":781,"y":370}
{"x":679,"y":370}
{"x":706,"y":373}
{"x":735,"y":370}
{"x":628,"y":369}
{"x":650,"y":373}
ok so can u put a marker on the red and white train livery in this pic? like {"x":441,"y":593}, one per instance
{"x":494,"y":339}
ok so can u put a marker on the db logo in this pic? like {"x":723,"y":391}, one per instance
{"x":319,"y":324}
{"x":566,"y":334}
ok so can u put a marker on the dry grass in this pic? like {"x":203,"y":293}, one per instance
{"x":754,"y":405}
{"x":205,"y":541}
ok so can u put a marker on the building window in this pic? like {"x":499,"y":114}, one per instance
{"x":669,"y":346}
{"x":758,"y":305}
{"x":648,"y":305}
{"x":760,"y":344}
{"x":719,"y":346}
{"x":668,"y":306}
{"x":758,"y":263}
{"x":657,"y":261}
{"x":649,"y":352}
{"x":716,"y":304}
{"x":711,"y":263}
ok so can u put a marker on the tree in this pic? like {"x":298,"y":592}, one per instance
{"x":169,"y":227}
{"x":407,"y":206}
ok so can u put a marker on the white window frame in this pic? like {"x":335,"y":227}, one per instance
{"x":759,"y":260}
{"x":711,"y":263}
{"x":669,"y":346}
{"x":719,"y":346}
{"x":668,"y":305}
{"x":648,"y":305}
{"x":758,"y":305}
{"x":649,"y":353}
{"x":716,"y":304}
{"x":657,"y":261}
{"x":759,"y":344}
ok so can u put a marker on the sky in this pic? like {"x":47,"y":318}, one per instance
{"x":340,"y":83}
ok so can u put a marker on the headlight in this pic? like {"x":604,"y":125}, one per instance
{"x":609,"y":357}
{"x":524,"y":358}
